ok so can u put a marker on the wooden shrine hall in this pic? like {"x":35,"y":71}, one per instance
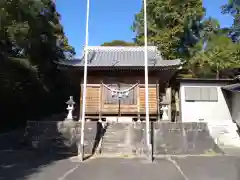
{"x":115,"y":81}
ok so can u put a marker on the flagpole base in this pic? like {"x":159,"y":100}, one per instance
{"x":81,"y":152}
{"x":150,"y":153}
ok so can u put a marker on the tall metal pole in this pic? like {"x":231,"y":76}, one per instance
{"x":81,"y":153}
{"x":146,"y":76}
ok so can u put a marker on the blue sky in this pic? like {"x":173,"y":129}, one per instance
{"x":111,"y":20}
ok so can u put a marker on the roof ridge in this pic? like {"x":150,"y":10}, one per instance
{"x":120,"y":48}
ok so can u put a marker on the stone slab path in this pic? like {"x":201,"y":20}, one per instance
{"x":28,"y":166}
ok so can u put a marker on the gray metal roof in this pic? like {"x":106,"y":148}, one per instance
{"x":206,"y":80}
{"x":232,"y":87}
{"x":107,"y":56}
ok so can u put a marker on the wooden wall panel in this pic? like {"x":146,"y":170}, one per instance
{"x":152,"y":95}
{"x":92,"y":99}
{"x":124,"y":109}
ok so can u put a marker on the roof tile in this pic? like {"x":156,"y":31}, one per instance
{"x":102,"y":56}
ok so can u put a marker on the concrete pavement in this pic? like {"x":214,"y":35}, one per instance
{"x":210,"y":168}
{"x":29,"y":166}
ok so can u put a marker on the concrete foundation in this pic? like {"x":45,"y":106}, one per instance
{"x":121,"y":138}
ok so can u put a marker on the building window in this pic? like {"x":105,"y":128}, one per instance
{"x":208,"y":94}
{"x":130,"y":99}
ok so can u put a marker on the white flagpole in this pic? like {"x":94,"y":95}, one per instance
{"x":84,"y":84}
{"x":146,"y":76}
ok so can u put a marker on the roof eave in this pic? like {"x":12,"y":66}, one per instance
{"x":232,"y":87}
{"x":103,"y":68}
{"x":205,"y":80}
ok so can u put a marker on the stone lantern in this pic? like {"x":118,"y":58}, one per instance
{"x":70,"y":107}
{"x":165,"y":110}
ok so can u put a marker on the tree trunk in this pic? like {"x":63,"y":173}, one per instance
{"x":217,"y":73}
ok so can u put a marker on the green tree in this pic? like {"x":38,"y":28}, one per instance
{"x":118,"y":43}
{"x":31,"y":40}
{"x":210,"y":27}
{"x":233,"y":8}
{"x":173,"y":25}
{"x":220,"y":53}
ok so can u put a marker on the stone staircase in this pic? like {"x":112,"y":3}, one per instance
{"x":115,"y":139}
{"x":225,"y":134}
{"x":167,"y":139}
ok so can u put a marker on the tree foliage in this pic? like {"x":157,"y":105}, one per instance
{"x":118,"y":43}
{"x":210,"y":27}
{"x":31,"y":40}
{"x":220,"y":53}
{"x":214,"y":52}
{"x":173,"y":26}
{"x":180,"y":30}
{"x":233,"y":8}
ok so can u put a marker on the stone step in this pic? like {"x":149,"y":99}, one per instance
{"x":114,"y":139}
{"x":116,"y":148}
{"x":109,"y":135}
{"x":115,"y":134}
{"x":112,"y":132}
{"x":225,"y":134}
{"x":118,"y":144}
{"x":229,"y":140}
{"x":231,"y":151}
{"x":113,"y":150}
{"x":113,"y":143}
{"x":117,"y":152}
{"x":119,"y":119}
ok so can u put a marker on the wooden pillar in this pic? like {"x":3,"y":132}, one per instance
{"x":119,"y":103}
{"x":169,"y":97}
{"x":138,"y":101}
{"x":177,"y":105}
{"x":158,"y":100}
{"x":100,"y":102}
{"x":80,"y":110}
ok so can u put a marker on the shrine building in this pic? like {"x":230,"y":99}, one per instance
{"x":116,"y":82}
